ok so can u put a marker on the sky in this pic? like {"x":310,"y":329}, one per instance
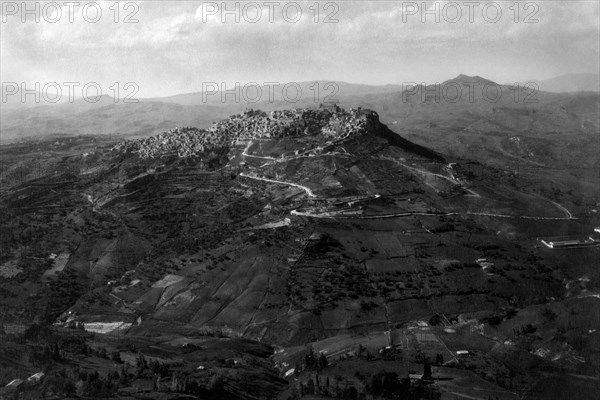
{"x":170,"y":47}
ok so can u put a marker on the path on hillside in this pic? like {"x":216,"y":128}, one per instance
{"x":560,"y":207}
{"x":409,"y":214}
{"x":245,"y":152}
{"x":451,"y":179}
{"x":454,"y":180}
{"x":308,"y":191}
{"x":465,"y":396}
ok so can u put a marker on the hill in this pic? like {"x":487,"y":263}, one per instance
{"x":546,"y":136}
{"x":249,"y":95}
{"x":242,"y":259}
{"x":505,"y":126}
{"x":460,"y":115}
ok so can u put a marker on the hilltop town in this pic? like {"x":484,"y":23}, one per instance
{"x":188,"y":142}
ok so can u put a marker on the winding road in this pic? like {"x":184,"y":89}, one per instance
{"x":410,"y":214}
{"x":308,"y":191}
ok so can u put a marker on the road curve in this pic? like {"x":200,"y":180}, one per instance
{"x":308,"y":191}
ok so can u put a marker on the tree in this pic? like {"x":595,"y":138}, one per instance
{"x":116,"y":356}
{"x":123,"y":376}
{"x":102,"y":353}
{"x":322,"y":361}
{"x":310,"y":361}
{"x":69,"y":388}
{"x":310,"y":386}
{"x":350,"y":393}
{"x":216,"y":383}
{"x":141,"y":364}
{"x":58,"y":385}
{"x":426,"y":369}
{"x":56,"y":353}
{"x":376,"y":385}
{"x":439,"y":359}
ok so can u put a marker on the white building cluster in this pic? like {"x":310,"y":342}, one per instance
{"x":190,"y":142}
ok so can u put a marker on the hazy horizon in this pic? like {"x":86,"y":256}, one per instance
{"x":173,"y":50}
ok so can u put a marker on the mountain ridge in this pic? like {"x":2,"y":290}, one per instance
{"x":569,"y":83}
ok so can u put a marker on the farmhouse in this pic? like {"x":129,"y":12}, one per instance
{"x":15,"y":383}
{"x":35,"y":378}
{"x":484,"y":263}
{"x":558,"y":244}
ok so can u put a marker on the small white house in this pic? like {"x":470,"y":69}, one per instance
{"x":35,"y":378}
{"x":15,"y":383}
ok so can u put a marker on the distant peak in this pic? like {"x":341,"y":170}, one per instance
{"x":462,"y":78}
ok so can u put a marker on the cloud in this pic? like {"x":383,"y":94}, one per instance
{"x":373,"y":42}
